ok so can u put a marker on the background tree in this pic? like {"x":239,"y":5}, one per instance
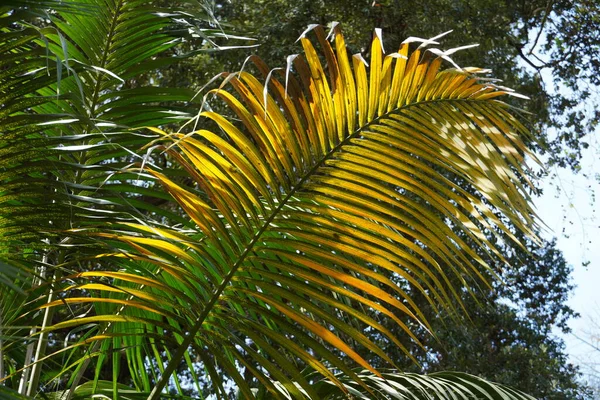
{"x":590,"y":365}
{"x":509,"y":337}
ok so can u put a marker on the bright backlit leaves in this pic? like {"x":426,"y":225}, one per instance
{"x":324,"y":206}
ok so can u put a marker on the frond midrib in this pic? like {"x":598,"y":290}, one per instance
{"x":105,"y":53}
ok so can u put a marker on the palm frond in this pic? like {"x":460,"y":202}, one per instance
{"x":69,"y":94}
{"x":409,"y":386}
{"x":332,"y":178}
{"x":388,"y":386}
{"x":57,"y":95}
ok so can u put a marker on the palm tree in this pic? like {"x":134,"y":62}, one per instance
{"x":69,"y":91}
{"x":325,"y":181}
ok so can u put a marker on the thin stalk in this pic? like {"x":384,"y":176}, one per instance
{"x":28,"y":355}
{"x":1,"y":351}
{"x":31,"y":375}
{"x":24,"y":382}
{"x":41,"y":343}
{"x":27,"y":370}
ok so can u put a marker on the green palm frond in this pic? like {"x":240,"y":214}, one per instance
{"x":388,"y":386}
{"x":75,"y":77}
{"x":408,"y":386}
{"x":333,"y":178}
{"x":73,"y":84}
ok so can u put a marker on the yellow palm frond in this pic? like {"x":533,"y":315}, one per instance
{"x":337,"y":195}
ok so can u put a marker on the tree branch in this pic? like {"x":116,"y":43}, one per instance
{"x":539,"y":34}
{"x":519,"y":48}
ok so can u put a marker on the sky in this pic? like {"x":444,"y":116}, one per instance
{"x":569,"y":209}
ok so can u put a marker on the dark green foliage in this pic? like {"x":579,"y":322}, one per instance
{"x":75,"y":77}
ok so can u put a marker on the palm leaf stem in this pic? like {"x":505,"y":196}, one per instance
{"x":42,"y":341}
{"x":24,"y":383}
{"x":1,"y":351}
